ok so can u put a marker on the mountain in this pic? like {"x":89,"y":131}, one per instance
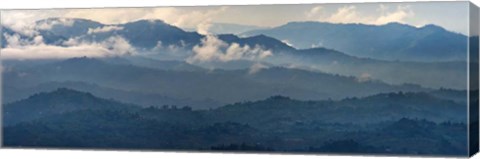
{"x":453,"y":74}
{"x":47,"y":36}
{"x":224,"y":86}
{"x":266,"y":42}
{"x":59,"y":101}
{"x":449,"y":94}
{"x":140,"y":98}
{"x":320,"y":99}
{"x":153,"y":63}
{"x":392,"y":41}
{"x":371,"y":109}
{"x":66,"y":27}
{"x":147,"y":33}
{"x":142,"y":34}
{"x":176,"y":46}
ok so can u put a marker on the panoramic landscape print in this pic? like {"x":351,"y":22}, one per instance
{"x":373,"y":78}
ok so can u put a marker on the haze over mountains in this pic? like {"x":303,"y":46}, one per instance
{"x":299,"y":87}
{"x":392,"y":41}
{"x":223,"y":86}
{"x":163,"y":64}
{"x":158,"y":40}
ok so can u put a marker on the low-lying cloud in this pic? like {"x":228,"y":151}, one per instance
{"x":364,"y":77}
{"x":23,"y":21}
{"x":48,"y":24}
{"x":104,"y":29}
{"x":18,"y":48}
{"x":257,"y":67}
{"x":15,"y":41}
{"x":214,"y":49}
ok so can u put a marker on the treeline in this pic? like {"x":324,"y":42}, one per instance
{"x":278,"y":124}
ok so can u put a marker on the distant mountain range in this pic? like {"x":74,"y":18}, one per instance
{"x":371,"y":109}
{"x":223,"y":86}
{"x":143,"y":34}
{"x":392,"y":41}
{"x":360,"y":88}
{"x":453,"y":74}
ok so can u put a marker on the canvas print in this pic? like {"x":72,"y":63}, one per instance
{"x":359,"y":78}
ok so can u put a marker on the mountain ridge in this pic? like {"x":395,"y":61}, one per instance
{"x":56,"y":102}
{"x":347,"y":110}
{"x":400,"y":41}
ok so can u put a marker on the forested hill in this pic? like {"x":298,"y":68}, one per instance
{"x":68,"y":118}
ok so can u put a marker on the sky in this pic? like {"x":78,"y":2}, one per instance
{"x":452,"y":16}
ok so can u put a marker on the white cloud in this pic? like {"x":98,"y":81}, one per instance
{"x":346,"y":14}
{"x":48,"y":24}
{"x":319,"y":44}
{"x":364,"y":77}
{"x":53,"y":52}
{"x":236,"y":52}
{"x":181,"y":17}
{"x":209,"y":49}
{"x":104,"y":29}
{"x":203,"y":28}
{"x":115,"y":45}
{"x":315,"y":11}
{"x":23,"y":21}
{"x":14,"y":40}
{"x":158,"y":47}
{"x":257,"y":67}
{"x":72,"y":42}
{"x":214,"y":49}
{"x":401,"y":13}
{"x":190,"y":17}
{"x":15,"y":22}
{"x":37,"y":49}
{"x":350,"y":14}
{"x":287,"y":43}
{"x":118,"y":46}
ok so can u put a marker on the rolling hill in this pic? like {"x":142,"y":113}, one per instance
{"x":223,"y":86}
{"x":67,"y":118}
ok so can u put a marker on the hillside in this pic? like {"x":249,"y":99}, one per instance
{"x":59,"y":101}
{"x":224,"y":86}
{"x":79,"y":120}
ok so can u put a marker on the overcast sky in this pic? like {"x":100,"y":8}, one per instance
{"x":450,"y":15}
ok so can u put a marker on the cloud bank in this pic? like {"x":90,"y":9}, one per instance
{"x":21,"y":49}
{"x":257,"y":67}
{"x":214,"y":49}
{"x":104,"y":29}
{"x":23,"y":21}
{"x":47,"y":25}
